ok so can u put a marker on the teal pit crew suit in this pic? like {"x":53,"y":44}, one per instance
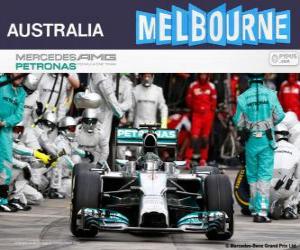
{"x":11,"y":112}
{"x":259,"y":111}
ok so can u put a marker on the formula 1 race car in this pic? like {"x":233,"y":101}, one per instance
{"x":149,"y":195}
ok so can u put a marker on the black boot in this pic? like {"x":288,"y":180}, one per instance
{"x":4,"y":195}
{"x":54,"y":194}
{"x":8,"y":208}
{"x":289,"y":214}
{"x":19,"y":205}
{"x":261,"y":219}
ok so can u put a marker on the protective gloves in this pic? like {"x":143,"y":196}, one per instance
{"x":40,"y":108}
{"x":89,"y":156}
{"x":164,"y":123}
{"x":27,"y":172}
{"x":41,"y":156}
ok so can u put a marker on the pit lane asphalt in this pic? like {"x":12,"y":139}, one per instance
{"x":47,"y":227}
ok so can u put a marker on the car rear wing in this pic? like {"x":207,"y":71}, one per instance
{"x":166,"y":138}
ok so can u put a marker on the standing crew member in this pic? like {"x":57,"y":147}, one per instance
{"x":102,"y":84}
{"x":54,"y":92}
{"x":123,"y":85}
{"x":202,"y":100}
{"x":147,"y":100}
{"x":90,"y":138}
{"x":289,"y":94}
{"x":31,"y":110}
{"x":12,"y":98}
{"x":258,"y":111}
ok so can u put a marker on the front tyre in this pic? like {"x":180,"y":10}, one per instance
{"x":219,"y":198}
{"x":86,"y":187}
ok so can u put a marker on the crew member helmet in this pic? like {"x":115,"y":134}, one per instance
{"x":89,"y":120}
{"x":31,"y":82}
{"x":48,"y":120}
{"x":67,"y":127}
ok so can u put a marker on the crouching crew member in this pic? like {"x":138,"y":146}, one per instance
{"x":285,"y":182}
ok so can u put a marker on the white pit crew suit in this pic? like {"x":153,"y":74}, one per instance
{"x":125,"y":93}
{"x":54,"y":93}
{"x":293,"y":125}
{"x":125,"y":101}
{"x":295,"y":135}
{"x":102,"y":84}
{"x":94,"y":142}
{"x":146,"y":102}
{"x":22,"y":190}
{"x":61,"y":173}
{"x":286,"y":166}
{"x":35,"y":138}
{"x":34,"y":135}
{"x":29,"y":109}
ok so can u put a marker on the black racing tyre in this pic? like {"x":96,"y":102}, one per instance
{"x":218,"y":195}
{"x":85,"y":194}
{"x":212,"y":170}
{"x":241,"y":191}
{"x":81,"y":167}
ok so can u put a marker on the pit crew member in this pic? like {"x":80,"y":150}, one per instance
{"x":258,"y":111}
{"x":289,"y":94}
{"x":201,"y":98}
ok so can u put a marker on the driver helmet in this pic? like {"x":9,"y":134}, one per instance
{"x":150,"y":143}
{"x":89,"y":120}
{"x":18,"y":131}
{"x":67,"y":127}
{"x":281,"y":132}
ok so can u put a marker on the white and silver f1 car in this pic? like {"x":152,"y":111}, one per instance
{"x":149,"y":195}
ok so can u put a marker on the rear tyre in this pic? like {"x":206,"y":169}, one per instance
{"x":86,"y":187}
{"x":219,"y":198}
